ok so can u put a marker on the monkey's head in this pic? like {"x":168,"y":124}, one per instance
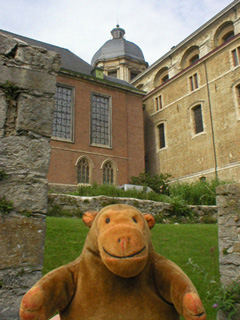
{"x":120,"y":235}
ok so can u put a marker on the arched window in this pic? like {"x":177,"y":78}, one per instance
{"x":161,"y":77}
{"x":224,"y":33}
{"x":190,"y":56}
{"x":108,"y":173}
{"x":83,"y":171}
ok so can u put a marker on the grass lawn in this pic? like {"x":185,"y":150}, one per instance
{"x":179,"y":243}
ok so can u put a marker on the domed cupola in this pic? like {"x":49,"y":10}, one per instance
{"x":120,"y":58}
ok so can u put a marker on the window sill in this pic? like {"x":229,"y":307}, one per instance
{"x":162,"y":149}
{"x":195,"y":135}
{"x":62,"y":140}
{"x":100,"y":146}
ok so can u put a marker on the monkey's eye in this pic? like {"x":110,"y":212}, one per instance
{"x":107,"y":220}
{"x":134,"y":219}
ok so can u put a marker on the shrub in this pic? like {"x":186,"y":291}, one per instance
{"x":180,"y":207}
{"x":157,"y":182}
{"x":196,"y":193}
{"x":226,"y":299}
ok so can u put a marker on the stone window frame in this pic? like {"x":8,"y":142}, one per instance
{"x":192,"y":119}
{"x":90,"y":166}
{"x":193,"y":81}
{"x":114,"y":169}
{"x":236,"y":94}
{"x":158,"y":102}
{"x":163,"y":124}
{"x":235,"y":57}
{"x":72,"y":88}
{"x":109,"y":145}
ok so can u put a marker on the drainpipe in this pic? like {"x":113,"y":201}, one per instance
{"x":211,"y":119}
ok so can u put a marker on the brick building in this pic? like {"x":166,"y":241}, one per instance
{"x":191,"y":109}
{"x":192,"y":105}
{"x":97,"y":127}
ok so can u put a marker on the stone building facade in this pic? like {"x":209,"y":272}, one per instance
{"x":97,"y":131}
{"x":192,"y":105}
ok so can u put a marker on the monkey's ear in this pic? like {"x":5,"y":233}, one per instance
{"x":150,"y":220}
{"x":89,"y":217}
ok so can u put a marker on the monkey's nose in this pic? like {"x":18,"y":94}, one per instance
{"x":123,"y":242}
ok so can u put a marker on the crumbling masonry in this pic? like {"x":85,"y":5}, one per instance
{"x":27,"y":87}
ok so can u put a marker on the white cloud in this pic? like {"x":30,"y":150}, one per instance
{"x":83,"y":26}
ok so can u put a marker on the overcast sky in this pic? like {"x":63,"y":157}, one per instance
{"x":83,"y":26}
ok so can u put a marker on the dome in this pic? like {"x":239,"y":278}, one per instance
{"x":118,"y":47}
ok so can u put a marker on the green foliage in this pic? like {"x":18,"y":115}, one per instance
{"x":3,"y":175}
{"x":196,"y":193}
{"x":11,"y":91}
{"x":112,"y":191}
{"x":157,"y":182}
{"x":180,"y":207}
{"x":226,"y":299}
{"x":5,"y":205}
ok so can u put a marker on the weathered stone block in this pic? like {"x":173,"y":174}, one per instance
{"x":20,"y":154}
{"x":7,"y":44}
{"x":22,"y":240}
{"x":233,"y":258}
{"x":38,"y":58}
{"x":236,"y":246}
{"x":28,"y":78}
{"x":27,"y":192}
{"x":30,"y":114}
{"x":227,"y":220}
{"x":229,"y":231}
{"x":229,"y":270}
{"x":14,"y":284}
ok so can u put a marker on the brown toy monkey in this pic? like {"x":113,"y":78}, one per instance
{"x":118,"y":276}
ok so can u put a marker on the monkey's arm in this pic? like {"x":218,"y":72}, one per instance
{"x":175,"y":287}
{"x":51,"y":293}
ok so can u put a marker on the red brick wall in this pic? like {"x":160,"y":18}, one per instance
{"x":127,"y":150}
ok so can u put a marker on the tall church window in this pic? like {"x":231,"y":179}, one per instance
{"x":100,"y":120}
{"x":83,"y":171}
{"x":63,"y":113}
{"x":236,"y":56}
{"x":197,"y":119}
{"x":108,"y":173}
{"x":161,"y":133}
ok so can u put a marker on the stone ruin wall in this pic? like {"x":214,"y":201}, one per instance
{"x":228,"y":202}
{"x":27,"y":87}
